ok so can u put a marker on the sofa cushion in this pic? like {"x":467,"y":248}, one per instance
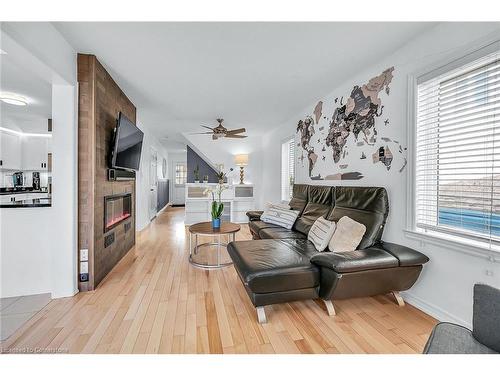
{"x":320,"y":203}
{"x":407,"y":257}
{"x":486,"y":320}
{"x":267,"y":266}
{"x":299,"y":197}
{"x":321,"y":232}
{"x":450,"y":338}
{"x":281,"y":216}
{"x":280,"y":233}
{"x":366,"y":205}
{"x":257,"y":225}
{"x":254,"y":215}
{"x":353,"y":261}
{"x":347,"y":236}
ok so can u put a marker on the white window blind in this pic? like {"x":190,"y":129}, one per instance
{"x":457,"y":160}
{"x":287,"y":169}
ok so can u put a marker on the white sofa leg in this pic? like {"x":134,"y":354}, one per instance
{"x":261,"y":315}
{"x":330,"y":309}
{"x":398,"y":298}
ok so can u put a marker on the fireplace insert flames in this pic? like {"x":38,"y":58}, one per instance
{"x":117,"y":208}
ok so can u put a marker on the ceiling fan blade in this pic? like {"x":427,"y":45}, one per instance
{"x":208,"y":127}
{"x":201,"y":133}
{"x":235,"y":136}
{"x":235,"y":131}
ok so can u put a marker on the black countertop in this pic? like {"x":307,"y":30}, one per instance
{"x":43,"y":202}
{"x":11,"y":191}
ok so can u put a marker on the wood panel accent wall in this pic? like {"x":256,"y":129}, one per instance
{"x":100,"y":101}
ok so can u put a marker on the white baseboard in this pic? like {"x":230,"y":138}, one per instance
{"x":433,"y":310}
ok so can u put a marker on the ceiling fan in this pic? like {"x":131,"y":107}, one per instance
{"x":222,"y":132}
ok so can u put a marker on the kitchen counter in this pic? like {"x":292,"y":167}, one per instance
{"x":4,"y":191}
{"x":42,"y":202}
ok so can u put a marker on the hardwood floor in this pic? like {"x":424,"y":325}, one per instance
{"x":155,"y":302}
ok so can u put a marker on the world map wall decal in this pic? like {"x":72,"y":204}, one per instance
{"x":352,"y":118}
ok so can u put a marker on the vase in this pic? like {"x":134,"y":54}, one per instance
{"x":216,"y":223}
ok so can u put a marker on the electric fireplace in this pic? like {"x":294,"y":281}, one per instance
{"x":117,"y":208}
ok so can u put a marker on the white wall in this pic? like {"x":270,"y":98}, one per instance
{"x":222,"y":151}
{"x":38,"y":245}
{"x":142,"y":183}
{"x":445,"y":287}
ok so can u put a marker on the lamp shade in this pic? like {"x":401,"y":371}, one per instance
{"x":241,"y":160}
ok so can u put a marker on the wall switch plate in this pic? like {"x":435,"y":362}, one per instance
{"x":84,"y":267}
{"x":84,"y":255}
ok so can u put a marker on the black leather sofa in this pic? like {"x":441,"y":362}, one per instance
{"x":281,"y":265}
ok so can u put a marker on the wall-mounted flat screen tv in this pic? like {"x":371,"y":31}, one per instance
{"x":127,"y":145}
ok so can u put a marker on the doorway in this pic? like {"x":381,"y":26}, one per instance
{"x":179,"y":169}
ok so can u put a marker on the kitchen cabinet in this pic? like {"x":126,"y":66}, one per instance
{"x":35,"y":153}
{"x":10,"y":151}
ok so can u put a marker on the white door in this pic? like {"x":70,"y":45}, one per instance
{"x":179,"y":169}
{"x":153,"y":184}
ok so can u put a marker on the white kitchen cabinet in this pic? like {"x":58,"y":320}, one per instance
{"x":6,"y":198}
{"x":35,"y":153}
{"x":10,"y":151}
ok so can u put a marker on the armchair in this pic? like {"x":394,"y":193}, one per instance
{"x":449,"y":338}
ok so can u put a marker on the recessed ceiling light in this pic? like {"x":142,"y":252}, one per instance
{"x":13,"y":99}
{"x":2,"y":52}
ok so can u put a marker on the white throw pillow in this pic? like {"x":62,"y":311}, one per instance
{"x":282,"y":205}
{"x":280,"y":215}
{"x":347,"y":236}
{"x":321,"y":232}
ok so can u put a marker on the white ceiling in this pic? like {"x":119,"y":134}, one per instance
{"x":38,"y":92}
{"x":257,"y":75}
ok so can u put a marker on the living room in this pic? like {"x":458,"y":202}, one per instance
{"x":250,"y":187}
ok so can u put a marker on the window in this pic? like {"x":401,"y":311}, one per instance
{"x":287,"y":168}
{"x":180,"y":174}
{"x":457,"y":153}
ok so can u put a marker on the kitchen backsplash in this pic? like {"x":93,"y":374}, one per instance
{"x":6,"y":179}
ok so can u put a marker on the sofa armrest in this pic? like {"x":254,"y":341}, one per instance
{"x":254,"y":215}
{"x":357,"y":260}
{"x":406,"y":256}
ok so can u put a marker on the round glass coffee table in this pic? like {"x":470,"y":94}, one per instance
{"x":205,"y":229}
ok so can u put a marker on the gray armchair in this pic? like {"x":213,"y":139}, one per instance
{"x":449,"y":338}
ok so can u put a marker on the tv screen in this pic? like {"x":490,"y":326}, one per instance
{"x":128,"y":145}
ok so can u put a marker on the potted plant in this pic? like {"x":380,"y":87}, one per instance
{"x":196,"y":173}
{"x":217,"y":205}
{"x":205,"y":179}
{"x":221,"y":176}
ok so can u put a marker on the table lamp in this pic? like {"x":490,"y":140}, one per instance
{"x":241,"y":161}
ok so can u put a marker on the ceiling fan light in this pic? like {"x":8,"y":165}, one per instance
{"x":13,"y":99}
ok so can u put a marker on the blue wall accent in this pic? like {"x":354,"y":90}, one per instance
{"x":193,"y":160}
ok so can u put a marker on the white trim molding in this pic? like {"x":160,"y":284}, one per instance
{"x":433,"y":310}
{"x":463,"y":247}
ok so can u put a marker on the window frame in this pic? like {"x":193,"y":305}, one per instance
{"x":182,"y":164}
{"x":286,"y":141}
{"x":450,"y":241}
